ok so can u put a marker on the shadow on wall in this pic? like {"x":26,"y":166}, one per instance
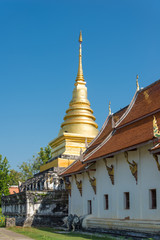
{"x":37,"y":208}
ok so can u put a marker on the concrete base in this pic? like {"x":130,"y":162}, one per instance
{"x":145,"y":226}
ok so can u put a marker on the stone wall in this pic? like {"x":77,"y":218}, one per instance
{"x":35,"y":208}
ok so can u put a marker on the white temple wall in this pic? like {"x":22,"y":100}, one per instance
{"x":124,"y":181}
{"x":69,"y":204}
{"x":76,"y":203}
{"x":104,"y":186}
{"x":88,"y":194}
{"x":150,"y":179}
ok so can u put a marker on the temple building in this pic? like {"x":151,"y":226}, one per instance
{"x":77,"y":131}
{"x":115,"y":182}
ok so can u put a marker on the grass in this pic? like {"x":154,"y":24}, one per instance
{"x":52,"y":234}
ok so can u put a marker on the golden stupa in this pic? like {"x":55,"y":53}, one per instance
{"x":79,"y":127}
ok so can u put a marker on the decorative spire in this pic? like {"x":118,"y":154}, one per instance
{"x":137,"y":82}
{"x":110,"y":108}
{"x":80,"y":70}
{"x":79,"y":118}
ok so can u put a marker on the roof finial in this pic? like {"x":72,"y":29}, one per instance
{"x":80,"y":77}
{"x":137,"y":82}
{"x":110,"y":108}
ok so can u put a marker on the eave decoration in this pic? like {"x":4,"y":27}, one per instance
{"x":79,"y":184}
{"x":67,"y":186}
{"x":110,"y":171}
{"x":156,"y":159}
{"x":133,"y":166}
{"x":92,"y":182}
{"x":156,"y":131}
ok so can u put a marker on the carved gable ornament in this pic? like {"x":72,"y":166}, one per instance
{"x":156,"y":159}
{"x":79,"y":184}
{"x":68,"y":186}
{"x":92,"y":182}
{"x":110,"y":171}
{"x":133,"y":166}
{"x":156,"y":131}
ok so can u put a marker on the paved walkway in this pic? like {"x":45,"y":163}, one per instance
{"x":9,"y":235}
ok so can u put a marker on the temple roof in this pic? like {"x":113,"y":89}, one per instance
{"x":133,"y":129}
{"x":145,"y":102}
{"x":107,"y":127}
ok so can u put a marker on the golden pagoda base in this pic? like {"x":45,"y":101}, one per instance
{"x":68,"y":144}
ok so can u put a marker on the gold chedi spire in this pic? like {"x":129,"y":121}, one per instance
{"x":80,"y":70}
{"x":79,"y":118}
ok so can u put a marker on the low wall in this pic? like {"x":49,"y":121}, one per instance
{"x":36,"y":208}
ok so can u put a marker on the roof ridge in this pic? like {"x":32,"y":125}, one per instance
{"x":120,"y":110}
{"x":103,"y":126}
{"x":132,"y":104}
{"x":100,"y":132}
{"x":128,"y":109}
{"x":100,"y":145}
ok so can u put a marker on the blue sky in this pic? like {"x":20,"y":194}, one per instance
{"x":39,"y":62}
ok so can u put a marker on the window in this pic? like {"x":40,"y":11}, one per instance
{"x":89,"y":207}
{"x":106,"y":202}
{"x":152,"y":199}
{"x":126,"y":200}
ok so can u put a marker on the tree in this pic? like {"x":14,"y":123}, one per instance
{"x":4,"y":177}
{"x":43,"y":156}
{"x":28,"y":169}
{"x":15,"y":177}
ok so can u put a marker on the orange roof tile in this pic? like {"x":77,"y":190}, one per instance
{"x":123,"y":139}
{"x":106,"y":129}
{"x":13,"y":189}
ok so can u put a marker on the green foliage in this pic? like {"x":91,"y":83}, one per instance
{"x":35,"y":199}
{"x":43,"y":156}
{"x":28,"y":169}
{"x":42,"y":194}
{"x":2,"y":221}
{"x":15,"y":177}
{"x":4,"y":177}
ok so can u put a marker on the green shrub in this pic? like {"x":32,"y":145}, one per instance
{"x":2,"y":221}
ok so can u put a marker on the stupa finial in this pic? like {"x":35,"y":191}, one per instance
{"x":80,"y":77}
{"x":137,"y":82}
{"x":80,"y":37}
{"x":110,"y":108}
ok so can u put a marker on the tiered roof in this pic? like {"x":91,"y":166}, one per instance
{"x":133,"y":128}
